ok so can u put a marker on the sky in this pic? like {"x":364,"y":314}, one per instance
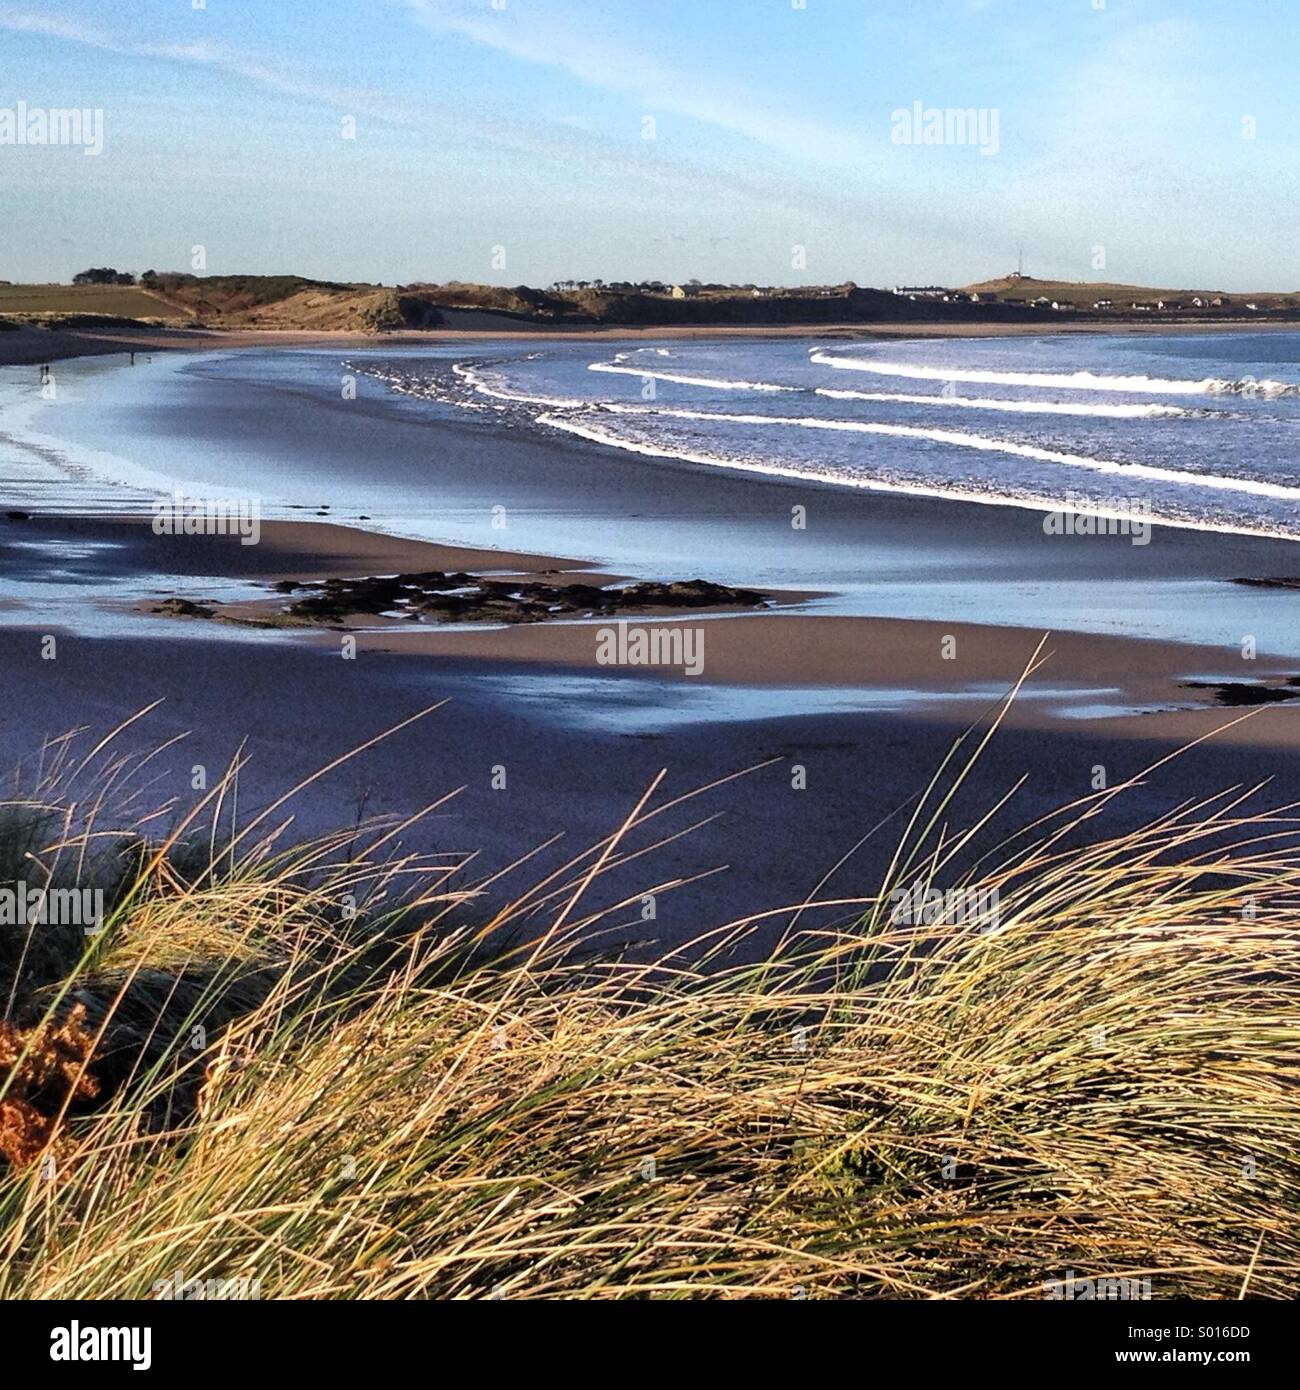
{"x":526,"y":141}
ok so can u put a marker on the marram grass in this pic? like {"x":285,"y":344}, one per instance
{"x":329,"y":1073}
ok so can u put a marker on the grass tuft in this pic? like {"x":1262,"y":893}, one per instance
{"x":316,"y":1077}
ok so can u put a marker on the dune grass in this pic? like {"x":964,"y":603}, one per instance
{"x":333,"y":1072}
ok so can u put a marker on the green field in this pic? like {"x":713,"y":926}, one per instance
{"x":126,"y":301}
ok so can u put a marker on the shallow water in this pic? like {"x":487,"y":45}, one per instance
{"x":789,"y":487}
{"x":639,"y":705}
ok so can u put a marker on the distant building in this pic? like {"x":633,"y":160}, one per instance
{"x":678,"y":292}
{"x":1104,"y":304}
{"x":922,"y":291}
{"x":1254,"y":308}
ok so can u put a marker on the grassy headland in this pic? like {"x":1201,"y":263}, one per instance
{"x":295,"y":303}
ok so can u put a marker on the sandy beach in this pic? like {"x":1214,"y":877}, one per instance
{"x":865,"y":707}
{"x":822,"y":716}
{"x":648,"y":653}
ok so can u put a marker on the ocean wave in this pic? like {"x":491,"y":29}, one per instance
{"x":473,"y":379}
{"x":714,"y":383}
{"x":584,"y":428}
{"x":1114,"y":412}
{"x":1144,"y":411}
{"x":1065,"y":381}
{"x":633,"y":352}
{"x":1217,"y":482}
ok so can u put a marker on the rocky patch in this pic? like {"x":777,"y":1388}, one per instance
{"x":457,"y":597}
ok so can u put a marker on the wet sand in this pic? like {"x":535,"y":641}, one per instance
{"x":865,"y":706}
{"x":944,"y":669}
{"x":525,"y":769}
{"x":299,"y":549}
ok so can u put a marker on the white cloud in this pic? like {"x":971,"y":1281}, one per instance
{"x":557,"y":37}
{"x":559,"y":144}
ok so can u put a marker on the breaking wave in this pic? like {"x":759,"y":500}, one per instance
{"x":1248,"y":486}
{"x":714,"y":383}
{"x":1060,"y":381}
{"x":1142,"y":411}
{"x":585,"y":427}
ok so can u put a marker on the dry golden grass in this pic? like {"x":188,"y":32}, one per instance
{"x":125,"y":301}
{"x":395,"y":1104}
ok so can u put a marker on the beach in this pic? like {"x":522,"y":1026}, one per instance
{"x":889,"y":627}
{"x":29,"y":344}
{"x":892,"y":624}
{"x":648,"y":653}
{"x":829,"y":725}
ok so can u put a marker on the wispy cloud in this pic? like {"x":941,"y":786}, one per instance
{"x":577,"y":44}
{"x":562,"y":144}
{"x":825,"y":191}
{"x":272,"y":74}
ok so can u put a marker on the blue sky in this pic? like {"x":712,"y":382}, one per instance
{"x":519,"y":133}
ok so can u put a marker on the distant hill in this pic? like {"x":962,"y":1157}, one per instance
{"x":119,"y":301}
{"x":296,"y":302}
{"x":222,"y":301}
{"x":289,"y":302}
{"x":1085,"y":295}
{"x":703,"y":306}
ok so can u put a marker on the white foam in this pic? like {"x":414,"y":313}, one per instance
{"x":582,"y":427}
{"x":1067,"y":381}
{"x":1144,"y":411}
{"x":1249,"y":486}
{"x":713,"y":383}
{"x":1113,"y":412}
{"x":632,"y":352}
{"x":472,"y":379}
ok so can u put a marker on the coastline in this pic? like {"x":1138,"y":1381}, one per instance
{"x":1129,"y":688}
{"x":865,"y":704}
{"x":28,"y":346}
{"x":531,"y":740}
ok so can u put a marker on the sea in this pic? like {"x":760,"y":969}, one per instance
{"x":901,"y":477}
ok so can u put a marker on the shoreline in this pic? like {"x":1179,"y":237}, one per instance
{"x":848,"y":715}
{"x":30,"y":346}
{"x":789,"y":655}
